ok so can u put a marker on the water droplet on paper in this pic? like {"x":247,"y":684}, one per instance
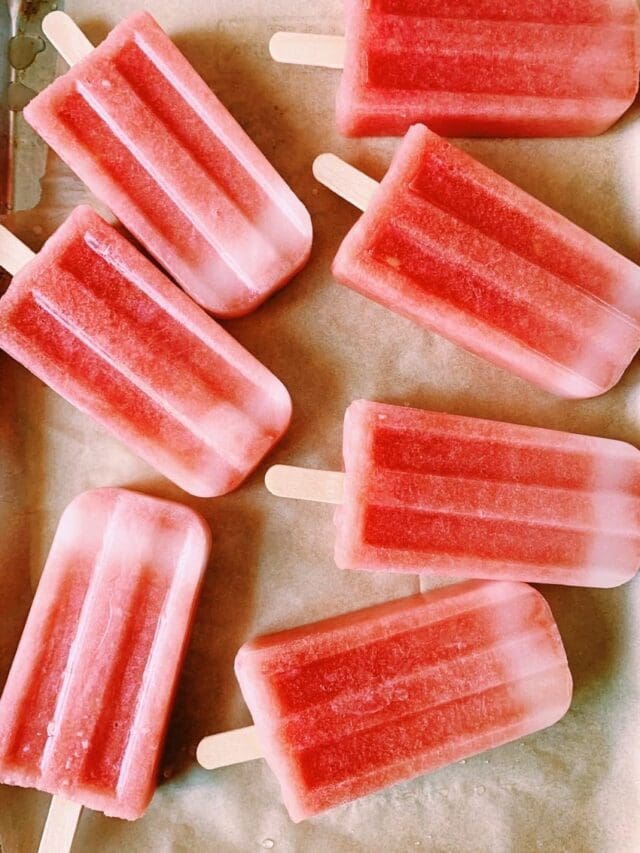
{"x":268,"y":843}
{"x":23,"y":50}
{"x":464,"y":761}
{"x":19,"y":96}
{"x":51,"y":729}
{"x":480,"y":789}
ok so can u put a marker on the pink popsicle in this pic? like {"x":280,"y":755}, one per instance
{"x":352,"y":704}
{"x":150,"y":139}
{"x":103,"y":327}
{"x":488,"y":68}
{"x":433,"y":493}
{"x":458,"y":249}
{"x":86,"y":705}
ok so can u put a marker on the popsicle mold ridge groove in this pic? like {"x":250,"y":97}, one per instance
{"x":514,"y":281}
{"x":85,"y":708}
{"x":151,"y":140}
{"x":349,"y":705}
{"x":100,"y":324}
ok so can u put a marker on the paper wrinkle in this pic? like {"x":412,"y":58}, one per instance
{"x":574,"y":788}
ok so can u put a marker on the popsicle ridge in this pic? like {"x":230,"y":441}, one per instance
{"x":337,"y":724}
{"x":455,"y":494}
{"x":146,"y":133}
{"x":489,"y":68}
{"x":88,"y":720}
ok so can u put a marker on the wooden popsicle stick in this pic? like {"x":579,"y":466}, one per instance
{"x":67,"y":37}
{"x":227,"y":748}
{"x":61,"y":825}
{"x":345,"y":180}
{"x":13,"y":253}
{"x":308,"y":49}
{"x":304,"y":484}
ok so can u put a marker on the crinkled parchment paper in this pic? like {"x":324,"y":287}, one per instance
{"x":574,"y":788}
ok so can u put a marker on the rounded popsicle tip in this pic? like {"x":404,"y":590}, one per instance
{"x":53,"y":20}
{"x":227,"y":748}
{"x":278,"y":46}
{"x":66,"y":37}
{"x":273,"y":479}
{"x":325,"y":164}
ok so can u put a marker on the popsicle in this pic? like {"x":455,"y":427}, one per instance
{"x":100,"y":324}
{"x":350,"y":705}
{"x":85,"y":708}
{"x":460,"y":250}
{"x":433,"y":493}
{"x":478,"y":67}
{"x":145,"y":133}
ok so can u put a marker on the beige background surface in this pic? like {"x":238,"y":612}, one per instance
{"x":574,"y":788}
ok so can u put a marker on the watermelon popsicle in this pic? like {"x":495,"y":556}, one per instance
{"x":86,"y":704}
{"x":426,"y":492}
{"x":453,"y":246}
{"x":145,"y":133}
{"x":478,"y":67}
{"x":100,"y":324}
{"x":350,"y":705}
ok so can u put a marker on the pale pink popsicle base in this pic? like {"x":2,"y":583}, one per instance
{"x":350,"y":705}
{"x":87,"y":702}
{"x":456,"y":496}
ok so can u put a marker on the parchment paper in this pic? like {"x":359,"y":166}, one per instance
{"x":574,"y":788}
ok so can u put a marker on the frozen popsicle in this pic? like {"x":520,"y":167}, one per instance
{"x":432,"y":493}
{"x":349,"y":705}
{"x":100,"y":324}
{"x":86,"y":705}
{"x":478,"y":67}
{"x":149,"y":138}
{"x":460,"y":250}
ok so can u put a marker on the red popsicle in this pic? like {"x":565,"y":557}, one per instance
{"x":108,"y":331}
{"x":460,"y":250}
{"x":86,"y":705}
{"x":138,"y":125}
{"x":478,"y":67}
{"x":347,"y":706}
{"x":440,"y":494}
